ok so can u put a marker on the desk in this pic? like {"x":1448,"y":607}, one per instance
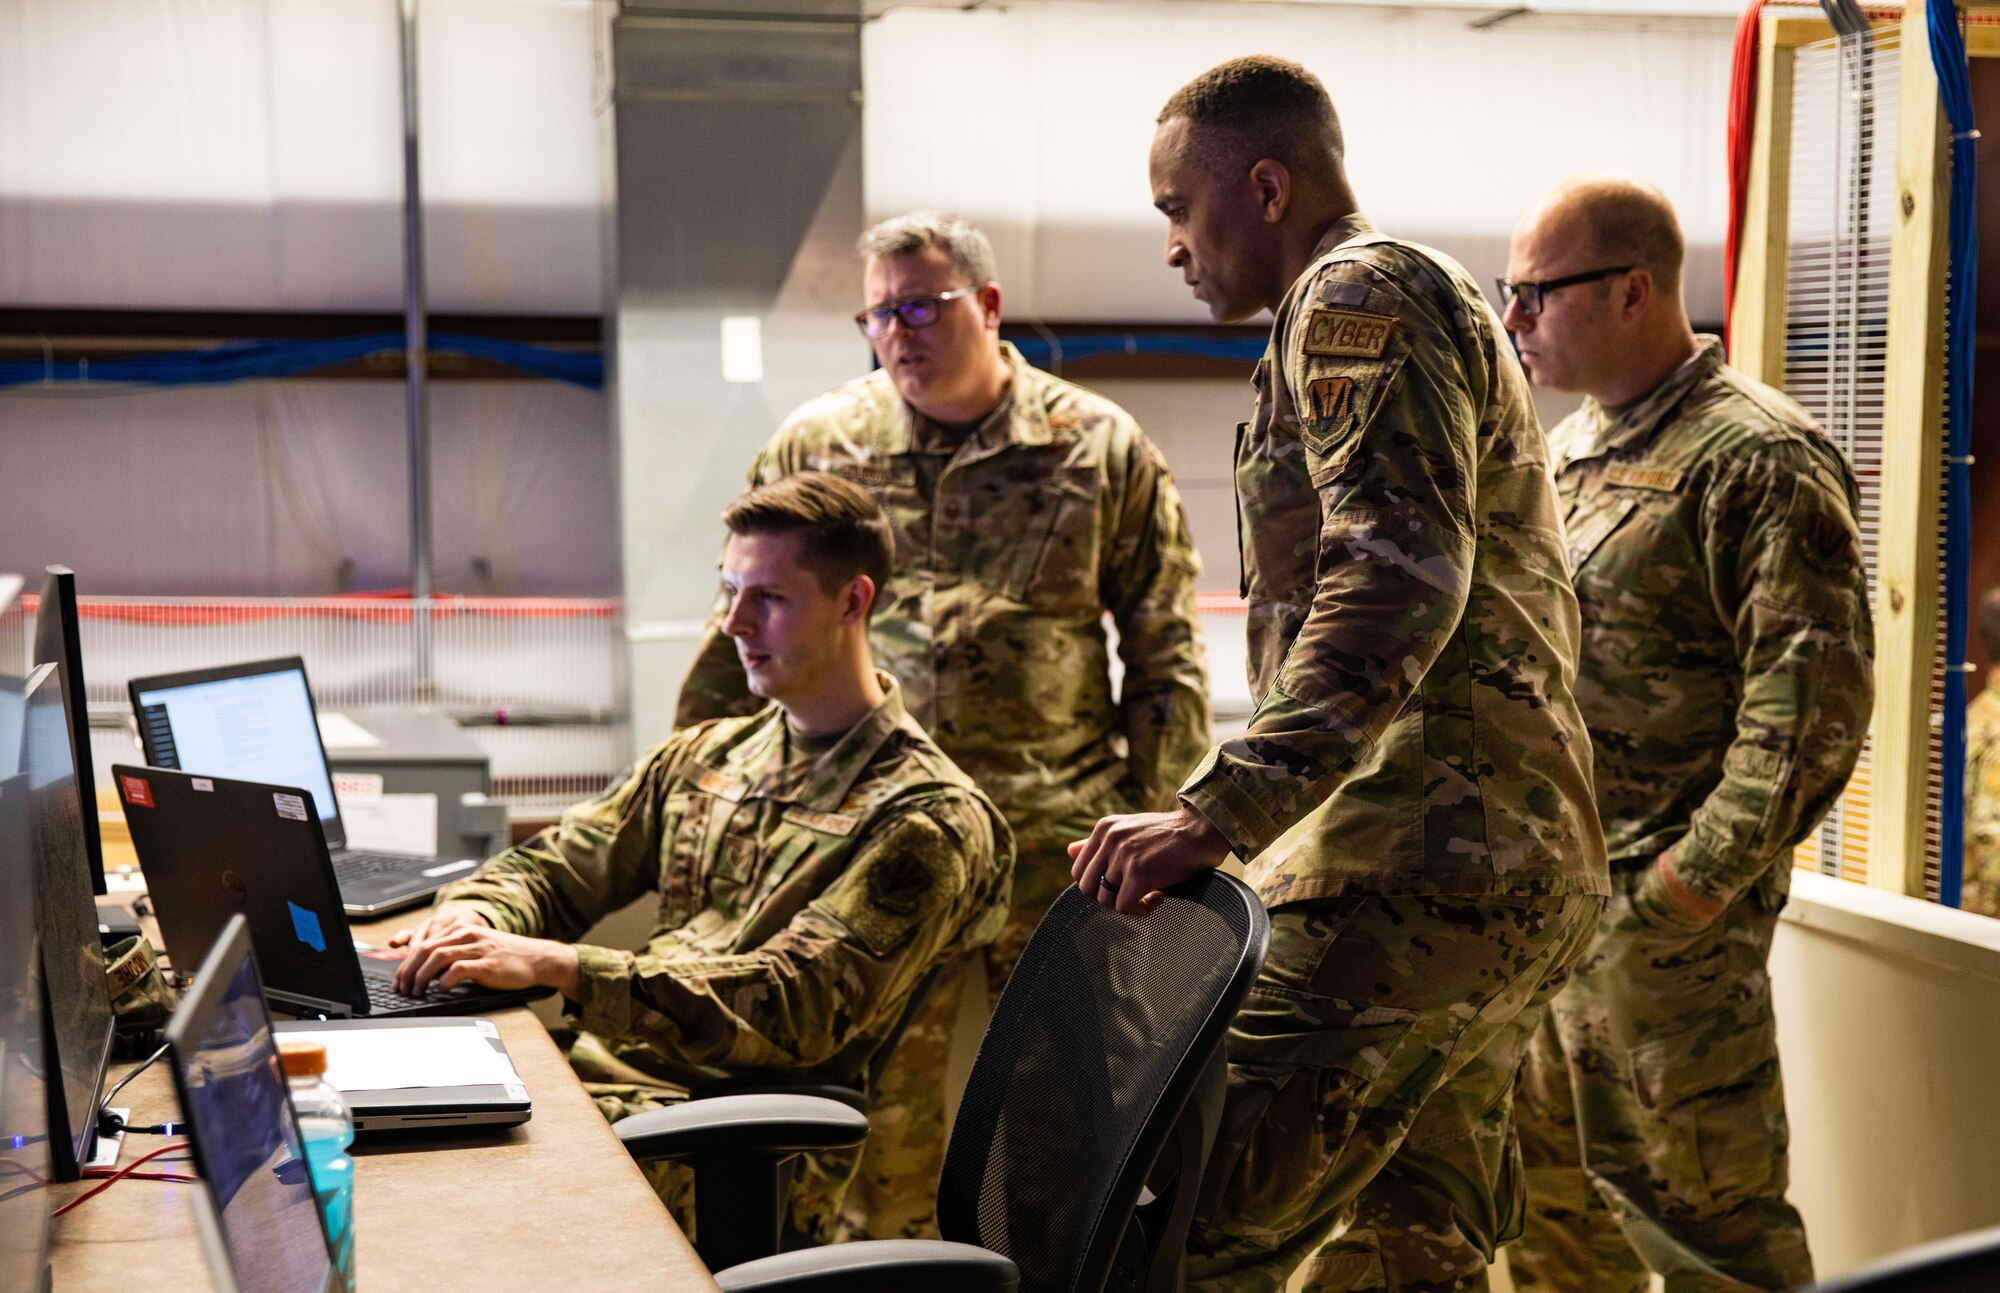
{"x":554,"y":1204}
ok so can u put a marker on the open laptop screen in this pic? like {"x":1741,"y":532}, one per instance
{"x":253,"y":727}
{"x":245,"y":1138}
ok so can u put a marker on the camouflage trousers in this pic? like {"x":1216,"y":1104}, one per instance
{"x":1651,"y":1110}
{"x":894,"y":1195}
{"x":1371,"y":1076}
{"x":614,"y":1078}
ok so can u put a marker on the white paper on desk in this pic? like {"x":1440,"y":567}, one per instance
{"x":391,"y":823}
{"x":339,"y":732}
{"x":387,"y":1059}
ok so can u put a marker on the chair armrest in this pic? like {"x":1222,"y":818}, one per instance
{"x":773,"y":1124}
{"x":847,"y":1095}
{"x":876,"y":1266}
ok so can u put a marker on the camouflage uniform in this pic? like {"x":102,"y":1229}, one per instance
{"x":1981,"y":891}
{"x":1726,"y":679}
{"x":805,"y":890}
{"x":1012,"y":542}
{"x":1413,"y":792}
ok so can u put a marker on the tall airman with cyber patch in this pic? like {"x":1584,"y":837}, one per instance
{"x":1412,"y":797}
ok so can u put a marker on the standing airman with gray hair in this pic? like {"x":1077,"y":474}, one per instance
{"x":1026,"y":509}
{"x":1726,"y":682}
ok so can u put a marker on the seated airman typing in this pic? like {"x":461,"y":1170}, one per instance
{"x":813,"y":862}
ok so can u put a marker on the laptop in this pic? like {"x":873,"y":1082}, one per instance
{"x":415,"y":1046}
{"x":212,"y":848}
{"x":256,"y":722}
{"x":261,"y":1226}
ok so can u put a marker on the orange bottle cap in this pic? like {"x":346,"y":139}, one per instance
{"x":302,"y":1059}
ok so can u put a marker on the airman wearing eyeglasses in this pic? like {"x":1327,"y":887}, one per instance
{"x":1026,"y":508}
{"x":1726,"y":682}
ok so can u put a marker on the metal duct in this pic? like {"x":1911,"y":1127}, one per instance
{"x":739,"y":201}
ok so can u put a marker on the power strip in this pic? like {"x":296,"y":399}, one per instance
{"x":105,"y":1152}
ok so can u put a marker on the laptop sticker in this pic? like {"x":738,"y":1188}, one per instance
{"x":136,"y":791}
{"x":202,"y":783}
{"x":291,"y":808}
{"x":306,"y":925}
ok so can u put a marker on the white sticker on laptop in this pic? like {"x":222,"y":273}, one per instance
{"x":202,"y":783}
{"x":290,"y":807}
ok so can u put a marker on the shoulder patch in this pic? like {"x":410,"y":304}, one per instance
{"x":1664,"y":479}
{"x":718,"y":785}
{"x":1349,"y":334}
{"x":824,"y":823}
{"x":1330,"y":398}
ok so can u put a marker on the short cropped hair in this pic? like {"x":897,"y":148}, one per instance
{"x":1628,"y":222}
{"x":1256,"y":107}
{"x":970,"y":252}
{"x":1989,"y":624}
{"x":846,"y":532}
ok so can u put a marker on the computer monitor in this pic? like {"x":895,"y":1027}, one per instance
{"x":80,"y":1022}
{"x":59,"y":641}
{"x":24,"y":1111}
{"x":260,"y":1222}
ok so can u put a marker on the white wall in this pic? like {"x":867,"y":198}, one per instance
{"x":1889,"y":1028}
{"x":1035,"y":121}
{"x":247,"y":154}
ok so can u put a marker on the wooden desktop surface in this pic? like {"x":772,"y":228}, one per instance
{"x":554,"y":1204}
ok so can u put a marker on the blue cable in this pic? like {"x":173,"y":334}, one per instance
{"x":254,"y":360}
{"x":1955,"y":89}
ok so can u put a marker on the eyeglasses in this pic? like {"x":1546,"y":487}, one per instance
{"x":1529,"y":296}
{"x":917,"y":312}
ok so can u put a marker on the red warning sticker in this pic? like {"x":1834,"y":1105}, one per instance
{"x":136,"y":791}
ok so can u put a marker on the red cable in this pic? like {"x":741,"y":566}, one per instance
{"x":120,"y":1175}
{"x":1742,"y":133}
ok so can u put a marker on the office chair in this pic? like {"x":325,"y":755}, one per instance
{"x":1968,"y":1263}
{"x":1083,"y":1131}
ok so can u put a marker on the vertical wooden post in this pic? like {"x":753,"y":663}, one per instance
{"x":1757,"y":311}
{"x":1907,"y":590}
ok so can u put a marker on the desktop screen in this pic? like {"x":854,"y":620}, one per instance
{"x":59,"y":641}
{"x":254,"y":728}
{"x":246,"y":1139}
{"x":24,"y":1110}
{"x":79,"y":1002}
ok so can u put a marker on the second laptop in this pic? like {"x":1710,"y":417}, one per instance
{"x":211,"y":847}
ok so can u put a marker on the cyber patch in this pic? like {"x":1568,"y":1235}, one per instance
{"x":1347,"y":334}
{"x":1330,"y":398}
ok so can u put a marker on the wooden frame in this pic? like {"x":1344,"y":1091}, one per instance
{"x":1907,"y":603}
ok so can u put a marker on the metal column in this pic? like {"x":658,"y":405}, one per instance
{"x":416,"y":345}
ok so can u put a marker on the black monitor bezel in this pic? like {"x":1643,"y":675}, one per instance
{"x":59,"y":641}
{"x":70,"y":1136}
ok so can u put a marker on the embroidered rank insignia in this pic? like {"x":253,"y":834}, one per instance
{"x":1331,"y":398}
{"x":1348,"y":334}
{"x":824,"y":823}
{"x":718,"y":785}
{"x":1664,"y":479}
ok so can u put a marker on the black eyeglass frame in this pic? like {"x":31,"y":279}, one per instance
{"x":1532,"y":294}
{"x":882,"y":313}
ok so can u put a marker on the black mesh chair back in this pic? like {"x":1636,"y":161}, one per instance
{"x":1104,"y":1050}
{"x":1968,"y":1263}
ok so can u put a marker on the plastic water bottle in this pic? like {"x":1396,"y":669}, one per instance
{"x":328,"y":1127}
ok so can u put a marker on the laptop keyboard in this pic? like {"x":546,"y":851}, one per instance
{"x":383,"y":997}
{"x":366,"y":866}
